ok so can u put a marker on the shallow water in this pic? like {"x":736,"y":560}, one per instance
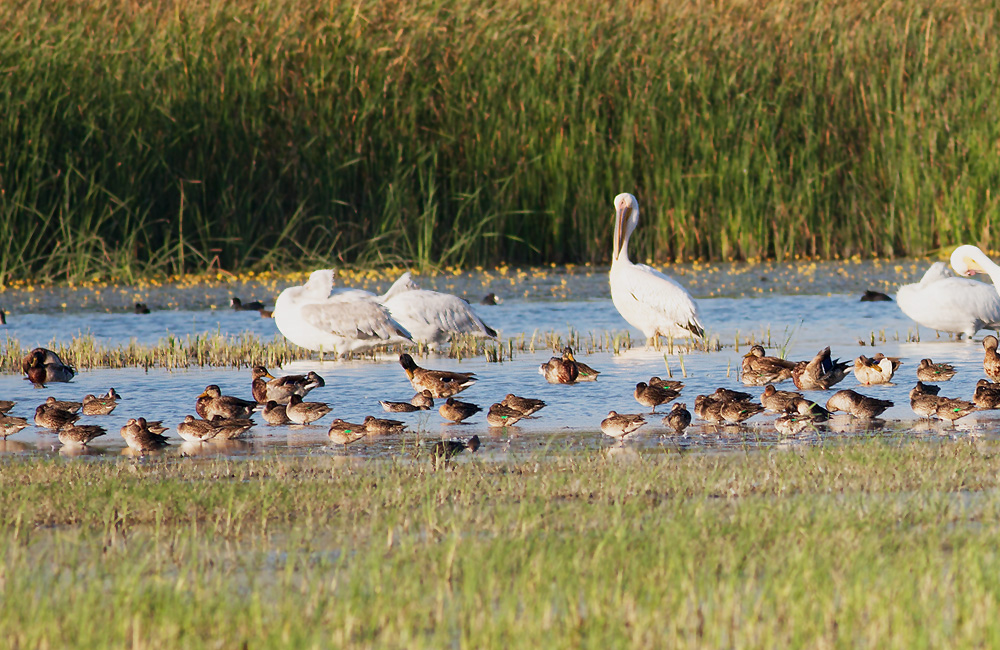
{"x":802,"y":322}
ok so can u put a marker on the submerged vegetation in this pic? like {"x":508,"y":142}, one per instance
{"x":875,"y":544}
{"x":140,"y":139}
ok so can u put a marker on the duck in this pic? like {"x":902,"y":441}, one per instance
{"x":195,"y":430}
{"x":857,"y":405}
{"x":672,"y":384}
{"x":80,"y":435}
{"x":877,"y":370}
{"x":398,"y":407}
{"x":953,"y":409}
{"x":43,"y":366}
{"x":934,"y":372}
{"x":9,"y":425}
{"x":239,"y":305}
{"x":230,"y":428}
{"x":423,"y":400}
{"x":558,"y":370}
{"x":444,"y":450}
{"x":820,"y":373}
{"x":275,"y":413}
{"x":792,"y":424}
{"x":584,"y":372}
{"x":379,"y":426}
{"x":457,"y":411}
{"x":343,"y":321}
{"x":102,"y":405}
{"x":653,"y":396}
{"x":648,"y":300}
{"x":440,"y":383}
{"x":526,"y":406}
{"x":301,"y":412}
{"x":155,"y":426}
{"x":619,"y":425}
{"x":679,"y":418}
{"x":6,"y":405}
{"x":490,"y":299}
{"x":139,"y":437}
{"x":432,"y":317}
{"x":778,"y":401}
{"x":874,"y":296}
{"x":987,"y":395}
{"x":738,"y":411}
{"x":808,"y":408}
{"x":502,"y":416}
{"x":924,"y":399}
{"x":140,"y":308}
{"x":991,"y":360}
{"x":709,"y":408}
{"x":280,"y":389}
{"x":63,"y":405}
{"x":212,"y":402}
{"x":758,"y":369}
{"x":49,"y":417}
{"x":946,"y":303}
{"x":344,"y":433}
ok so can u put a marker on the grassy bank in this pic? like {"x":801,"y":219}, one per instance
{"x":146,"y":138}
{"x":872,"y":544}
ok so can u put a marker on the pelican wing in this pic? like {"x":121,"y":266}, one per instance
{"x":442,"y":310}
{"x":352,"y":316}
{"x":660,"y":295}
{"x":403,"y":284}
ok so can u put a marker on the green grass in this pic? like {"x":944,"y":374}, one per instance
{"x":871,"y":544}
{"x":149,"y":138}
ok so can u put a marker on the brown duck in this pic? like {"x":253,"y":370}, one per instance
{"x":653,"y":396}
{"x":679,"y":418}
{"x":301,"y":412}
{"x":820,"y":373}
{"x":760,"y":369}
{"x":440,"y":383}
{"x":619,"y":425}
{"x":43,"y":366}
{"x":934,"y":372}
{"x":987,"y":394}
{"x":558,"y":370}
{"x":140,"y":438}
{"x":991,"y":360}
{"x":9,"y":425}
{"x":281,"y":389}
{"x":858,"y":405}
{"x":380,"y":426}
{"x":212,"y":402}
{"x":344,"y":433}
{"x":80,"y":435}
{"x":778,"y":401}
{"x":584,"y":372}
{"x":502,"y":416}
{"x":457,"y":411}
{"x":53,"y":418}
{"x":870,"y":372}
{"x":526,"y":406}
{"x":103,"y":405}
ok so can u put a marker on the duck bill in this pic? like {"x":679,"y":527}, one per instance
{"x":621,"y":216}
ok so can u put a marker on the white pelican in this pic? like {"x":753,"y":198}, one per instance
{"x":646,"y":298}
{"x":432,"y":317}
{"x":316,"y":317}
{"x":945,"y":303}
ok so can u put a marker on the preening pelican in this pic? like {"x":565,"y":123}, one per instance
{"x":946,"y":303}
{"x":316,"y":317}
{"x":646,"y":298}
{"x":430,"y":316}
{"x":968,"y":260}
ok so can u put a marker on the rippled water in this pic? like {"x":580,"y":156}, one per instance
{"x":545,"y":301}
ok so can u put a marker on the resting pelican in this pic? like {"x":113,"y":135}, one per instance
{"x":430,"y":316}
{"x":946,"y":303}
{"x":316,"y":317}
{"x":646,"y":298}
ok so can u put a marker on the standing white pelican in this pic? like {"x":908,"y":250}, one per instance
{"x":646,"y":298}
{"x":946,"y":303}
{"x":316,"y":317}
{"x":430,"y":316}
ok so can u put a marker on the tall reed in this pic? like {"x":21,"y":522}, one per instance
{"x":143,"y":138}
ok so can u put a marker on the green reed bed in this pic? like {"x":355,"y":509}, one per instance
{"x":870,"y":544}
{"x":148,"y":138}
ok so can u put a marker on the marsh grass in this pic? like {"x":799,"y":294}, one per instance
{"x":159,"y":138}
{"x":871,"y":544}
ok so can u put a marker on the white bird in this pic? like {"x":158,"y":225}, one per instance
{"x":968,"y":260}
{"x":946,"y":303}
{"x":432,"y":317}
{"x":647,"y":299}
{"x":343,"y":321}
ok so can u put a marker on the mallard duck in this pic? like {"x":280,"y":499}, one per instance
{"x":709,"y":408}
{"x":874,"y":371}
{"x":281,"y":389}
{"x":42,"y":366}
{"x":924,"y":399}
{"x":140,"y":308}
{"x":457,"y":411}
{"x":6,"y":405}
{"x":987,"y":394}
{"x":525,"y":405}
{"x":344,"y":433}
{"x":230,"y":428}
{"x":649,"y":300}
{"x":212,"y":402}
{"x":933,"y":372}
{"x":619,"y":425}
{"x":759,"y":369}
{"x":239,"y":305}
{"x":778,"y":401}
{"x":275,"y":413}
{"x":379,"y":427}
{"x":736,"y":412}
{"x":98,"y":405}
{"x":991,"y":360}
{"x":9,"y":425}
{"x":398,"y":407}
{"x":858,"y":405}
{"x":74,"y":434}
{"x":301,"y":412}
{"x":63,"y":405}
{"x":432,"y":317}
{"x":423,"y":400}
{"x":440,"y":383}
{"x":138,"y":436}
{"x":953,"y":409}
{"x":502,"y":416}
{"x":195,"y":430}
{"x":653,"y":396}
{"x":819,"y":374}
{"x":584,"y":372}
{"x":672,"y":384}
{"x":558,"y":370}
{"x":53,"y":418}
{"x":679,"y":418}
{"x":447,"y":449}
